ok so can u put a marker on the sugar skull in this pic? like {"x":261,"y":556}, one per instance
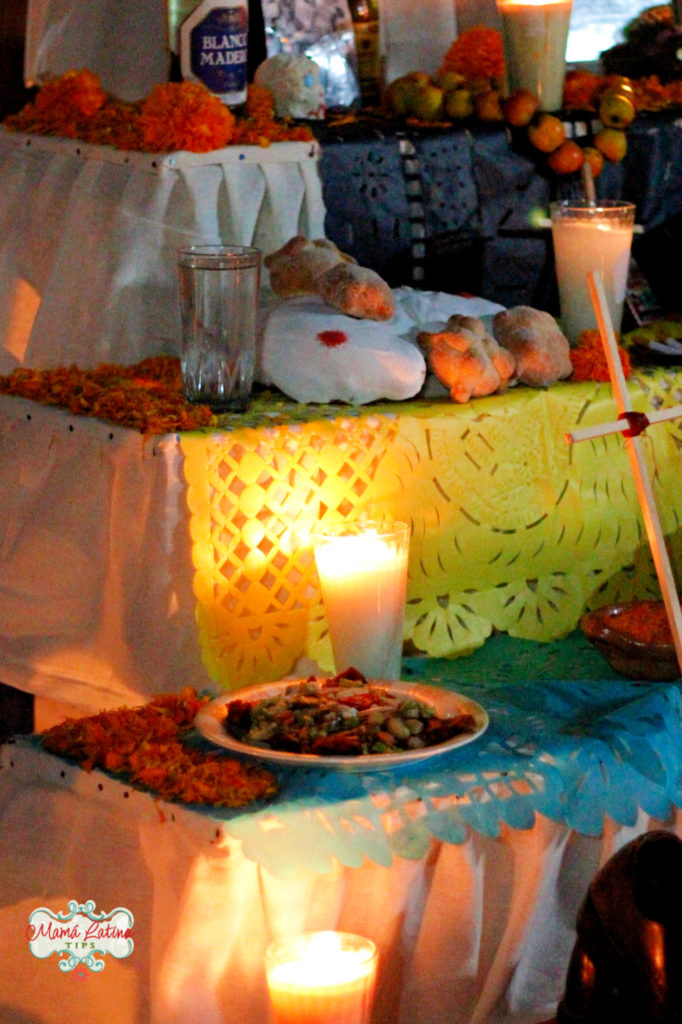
{"x":294,"y":80}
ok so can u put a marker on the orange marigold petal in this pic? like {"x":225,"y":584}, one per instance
{"x":476,"y":53}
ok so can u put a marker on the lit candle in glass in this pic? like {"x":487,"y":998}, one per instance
{"x":363,"y":576}
{"x":535,"y":33}
{"x":586,"y":237}
{"x":321,"y":978}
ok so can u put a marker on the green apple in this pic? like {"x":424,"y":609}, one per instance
{"x":426,"y":102}
{"x":458,"y":104}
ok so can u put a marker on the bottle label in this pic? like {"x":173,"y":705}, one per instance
{"x":214,"y":49}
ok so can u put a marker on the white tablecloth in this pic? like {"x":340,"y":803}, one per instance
{"x":478,"y":933}
{"x":88,"y":237}
{"x":96,"y":603}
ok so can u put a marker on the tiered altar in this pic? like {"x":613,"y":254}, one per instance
{"x":136,"y":564}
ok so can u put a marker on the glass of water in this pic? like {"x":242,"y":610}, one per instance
{"x":219,"y":287}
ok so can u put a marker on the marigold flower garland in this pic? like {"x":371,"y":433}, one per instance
{"x":589,"y":359}
{"x":174,"y":116}
{"x":145,"y":396}
{"x":145,"y":745}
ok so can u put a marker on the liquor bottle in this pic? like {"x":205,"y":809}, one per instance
{"x":213,"y":47}
{"x":257,"y":49}
{"x":365,"y":17}
{"x":180,"y":10}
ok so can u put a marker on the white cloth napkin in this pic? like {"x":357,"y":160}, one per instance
{"x":314,"y":354}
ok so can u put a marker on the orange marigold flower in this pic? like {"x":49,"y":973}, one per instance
{"x":115,"y":124}
{"x":476,"y":53}
{"x":651,"y":94}
{"x":174,"y":116}
{"x":146,"y":746}
{"x":581,"y":89}
{"x":589,"y":359}
{"x":74,"y":94}
{"x":184,"y":115}
{"x":146,"y":396}
{"x":259,"y":102}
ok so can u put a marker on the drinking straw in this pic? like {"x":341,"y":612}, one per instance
{"x":588,"y":184}
{"x":633,"y":445}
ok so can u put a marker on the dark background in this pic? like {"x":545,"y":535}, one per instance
{"x":13,"y":95}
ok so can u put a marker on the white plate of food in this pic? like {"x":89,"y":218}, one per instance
{"x":344,"y":723}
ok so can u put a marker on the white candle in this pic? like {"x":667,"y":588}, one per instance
{"x":535,"y":33}
{"x":321,"y":978}
{"x":591,"y":238}
{"x":363,"y":578}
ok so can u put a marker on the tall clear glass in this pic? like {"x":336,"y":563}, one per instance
{"x":218,"y":307}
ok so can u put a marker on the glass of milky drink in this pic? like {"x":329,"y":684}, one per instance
{"x":535,"y":33}
{"x":589,"y":237}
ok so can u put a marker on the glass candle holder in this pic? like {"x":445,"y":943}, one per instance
{"x":321,"y":978}
{"x":362,"y":569}
{"x":590,"y":237}
{"x":535,"y":33}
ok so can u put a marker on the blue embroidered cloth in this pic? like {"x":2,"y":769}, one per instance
{"x":568,"y":738}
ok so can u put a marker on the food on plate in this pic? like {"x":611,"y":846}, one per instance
{"x":467,"y":359}
{"x":342,"y":715}
{"x":540,"y":350}
{"x":357,"y":291}
{"x":145,"y":745}
{"x":295,"y":268}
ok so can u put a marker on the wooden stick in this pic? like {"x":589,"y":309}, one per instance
{"x":618,"y":426}
{"x":633,"y":446}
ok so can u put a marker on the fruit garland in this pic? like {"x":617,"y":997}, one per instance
{"x":468,"y":85}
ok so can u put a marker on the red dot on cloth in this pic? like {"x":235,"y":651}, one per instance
{"x":332,"y":338}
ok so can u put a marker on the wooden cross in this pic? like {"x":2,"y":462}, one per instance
{"x":631,"y":425}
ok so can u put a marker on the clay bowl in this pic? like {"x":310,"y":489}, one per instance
{"x":633,"y":657}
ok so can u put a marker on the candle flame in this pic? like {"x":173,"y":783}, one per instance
{"x":531,"y":3}
{"x":345,"y":556}
{"x":324,"y":959}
